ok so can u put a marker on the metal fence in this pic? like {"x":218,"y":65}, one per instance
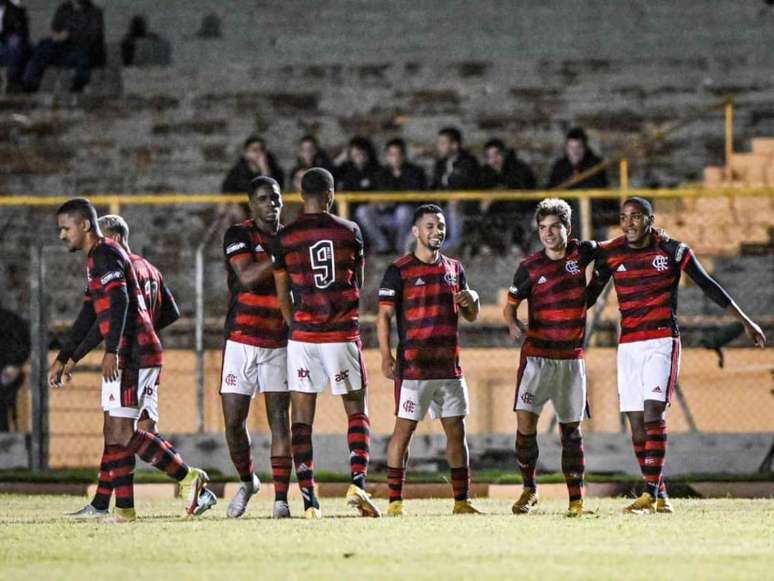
{"x":729,"y":230}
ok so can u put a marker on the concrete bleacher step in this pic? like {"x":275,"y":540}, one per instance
{"x":763,"y":146}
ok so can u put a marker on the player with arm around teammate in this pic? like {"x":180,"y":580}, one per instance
{"x":425,"y":292}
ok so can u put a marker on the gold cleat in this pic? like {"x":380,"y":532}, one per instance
{"x":465,"y":507}
{"x":395,"y":508}
{"x":122,"y":516}
{"x":312,"y":513}
{"x":663,"y":506}
{"x":360,"y":500}
{"x":527,"y":500}
{"x":576,"y":509}
{"x":645,"y":504}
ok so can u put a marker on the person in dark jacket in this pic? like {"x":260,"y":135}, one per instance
{"x":77,"y":41}
{"x":14,"y":41}
{"x":387,"y":226}
{"x":358,"y":173}
{"x":256,"y":160}
{"x":14,"y":353}
{"x":309,"y":155}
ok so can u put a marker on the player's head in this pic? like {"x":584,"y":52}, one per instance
{"x":317,"y":185}
{"x":553,"y":217}
{"x":76,"y":220}
{"x":636,"y":219}
{"x":449,"y":141}
{"x":115,"y":227}
{"x":429,"y":227}
{"x":265,"y":200}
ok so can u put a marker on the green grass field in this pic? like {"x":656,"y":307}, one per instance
{"x":704,"y":539}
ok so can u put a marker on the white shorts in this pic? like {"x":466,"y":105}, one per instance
{"x":312,"y":366}
{"x":647,"y":370}
{"x":562,"y":381}
{"x":444,"y":398}
{"x":145,"y":381}
{"x":248,"y":369}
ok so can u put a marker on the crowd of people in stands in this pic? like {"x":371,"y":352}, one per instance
{"x":494,"y":226}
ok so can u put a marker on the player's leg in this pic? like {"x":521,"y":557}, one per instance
{"x":278,"y":414}
{"x":459,"y":463}
{"x":100,"y":504}
{"x":527,"y":453}
{"x":358,"y":435}
{"x":236,"y":408}
{"x":397,"y":454}
{"x":570,"y":405}
{"x":118,"y":432}
{"x":573,"y":465}
{"x":302,"y":406}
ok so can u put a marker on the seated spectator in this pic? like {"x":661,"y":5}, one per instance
{"x":77,"y":41}
{"x":309,"y":155}
{"x":455,"y":169}
{"x":138,"y":30}
{"x":14,"y":42}
{"x":358,"y":173}
{"x":505,"y":223}
{"x":256,"y":160}
{"x":387,"y":226}
{"x":578,"y":157}
{"x":14,"y":353}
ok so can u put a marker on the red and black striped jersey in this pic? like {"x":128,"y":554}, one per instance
{"x":254,"y":316}
{"x":646,"y":281}
{"x":152,"y":287}
{"x":108,"y":266}
{"x":556,"y":294}
{"x":427,"y":317}
{"x":323,"y":257}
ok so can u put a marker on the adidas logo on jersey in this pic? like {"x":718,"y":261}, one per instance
{"x":621,"y":268}
{"x":419,"y":282}
{"x":542,"y":279}
{"x":259,"y":248}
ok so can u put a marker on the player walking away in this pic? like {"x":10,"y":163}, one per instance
{"x":553,"y":281}
{"x":319,"y":258}
{"x":646,"y":272}
{"x":131,"y":364}
{"x":163,"y":311}
{"x":255,"y":354}
{"x":426,"y":292}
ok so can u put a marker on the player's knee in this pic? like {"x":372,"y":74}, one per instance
{"x":571,"y":433}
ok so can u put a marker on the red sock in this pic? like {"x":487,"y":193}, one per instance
{"x":655,"y":454}
{"x":359,"y":440}
{"x":280,"y":472}
{"x":153,"y":450}
{"x":101,"y":500}
{"x":460,"y":480}
{"x":395,"y":479}
{"x":122,"y":475}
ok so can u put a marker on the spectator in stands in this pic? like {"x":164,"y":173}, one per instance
{"x":387,"y":226}
{"x":358,"y":173}
{"x":14,"y":352}
{"x":506,"y":222}
{"x":309,"y":155}
{"x":77,"y":41}
{"x":138,"y":30}
{"x":14,"y":42}
{"x":455,"y":169}
{"x":256,"y":160}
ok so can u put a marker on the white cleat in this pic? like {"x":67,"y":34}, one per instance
{"x":88,"y":512}
{"x":205,"y":502}
{"x":280,"y":510}
{"x":238,"y":504}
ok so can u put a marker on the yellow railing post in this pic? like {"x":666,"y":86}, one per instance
{"x":729,"y":110}
{"x":343,"y":207}
{"x":623,"y":173}
{"x":115,"y":205}
{"x":585,"y":218}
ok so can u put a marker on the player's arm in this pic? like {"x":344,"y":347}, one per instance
{"x":79,"y":330}
{"x":169,"y":312}
{"x":383,"y":332}
{"x":717,"y":294}
{"x":467,"y":299}
{"x":282,"y":283}
{"x":599,"y":280}
{"x":237,"y":247}
{"x":518,"y":291}
{"x":359,"y":258}
{"x":110,"y":269}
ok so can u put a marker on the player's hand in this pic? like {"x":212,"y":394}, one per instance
{"x":388,"y":366}
{"x":110,"y":367}
{"x":516,"y":331}
{"x":55,"y":374}
{"x":755,"y":333}
{"x":67,"y":372}
{"x":464,"y":299}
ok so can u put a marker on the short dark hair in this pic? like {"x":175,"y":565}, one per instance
{"x":311,"y":138}
{"x":452,"y":133}
{"x":554,"y":207}
{"x":642,"y":203}
{"x":262,"y":182}
{"x":426,"y":209}
{"x":254,"y":139}
{"x":80,"y":207}
{"x":316,"y":182}
{"x":397,"y":142}
{"x":578,"y":133}
{"x":112,"y":224}
{"x":498,"y":143}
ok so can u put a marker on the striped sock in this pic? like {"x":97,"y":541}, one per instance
{"x":460,"y":481}
{"x":655,"y":454}
{"x":241,"y":453}
{"x":303,"y":458}
{"x":527,"y":453}
{"x":359,"y":440}
{"x":573,"y":461}
{"x":156,"y":453}
{"x":395,"y":479}
{"x":121,"y":469}
{"x":280,"y":473}
{"x":101,"y":500}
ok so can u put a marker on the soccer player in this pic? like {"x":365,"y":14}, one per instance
{"x":319,"y":258}
{"x":426,"y":292}
{"x":163,"y":311}
{"x":553,"y":281}
{"x":646,"y":273}
{"x":131,"y":363}
{"x":255,"y":354}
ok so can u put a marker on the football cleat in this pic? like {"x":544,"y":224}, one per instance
{"x":238,"y":504}
{"x":360,"y":500}
{"x":191,"y":486}
{"x":206,"y":501}
{"x":576,"y":509}
{"x":395,"y":508}
{"x":312,"y":513}
{"x":122,"y":516}
{"x":645,"y":504}
{"x":88,"y":512}
{"x":280,"y":509}
{"x":663,"y":505}
{"x":465,"y":507}
{"x":527,"y":500}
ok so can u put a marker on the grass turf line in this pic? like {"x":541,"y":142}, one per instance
{"x":707,"y":539}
